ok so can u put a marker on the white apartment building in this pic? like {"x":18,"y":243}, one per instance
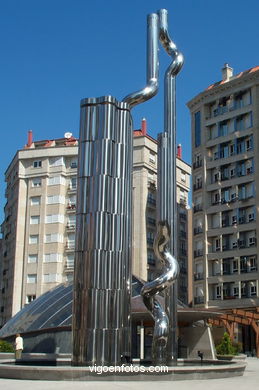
{"x":225,"y":125}
{"x":40,"y":218}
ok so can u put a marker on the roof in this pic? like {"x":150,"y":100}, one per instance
{"x":244,"y":73}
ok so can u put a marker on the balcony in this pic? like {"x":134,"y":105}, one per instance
{"x":151,"y":202}
{"x":183,"y":234}
{"x":70,"y":264}
{"x":70,"y":245}
{"x":198,"y":300}
{"x":72,"y":189}
{"x":198,"y":253}
{"x":197,"y":230}
{"x":197,"y":164}
{"x":71,"y":227}
{"x":150,"y":241}
{"x":198,"y":276}
{"x":197,"y":208}
{"x":151,"y":221}
{"x":71,"y":207}
{"x":197,"y":186}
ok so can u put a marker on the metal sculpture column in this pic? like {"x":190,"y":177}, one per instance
{"x":167,"y":207}
{"x":164,"y":346}
{"x":102,"y":280}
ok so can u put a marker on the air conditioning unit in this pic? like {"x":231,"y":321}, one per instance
{"x":234,"y":245}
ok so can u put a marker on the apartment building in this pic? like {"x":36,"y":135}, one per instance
{"x":225,"y":125}
{"x":145,"y":264}
{"x":40,"y":217}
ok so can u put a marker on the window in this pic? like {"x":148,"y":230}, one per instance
{"x":73,"y":163}
{"x":54,"y":218}
{"x":69,"y":277}
{"x":32,"y":258}
{"x":35,"y":200}
{"x":71,"y":222}
{"x":54,"y":237}
{"x":52,"y":278}
{"x":34,"y":220}
{"x":73,"y":183}
{"x":56,"y":180}
{"x":53,"y":258}
{"x":70,"y":261}
{"x":31,"y":278}
{"x":56,"y":161}
{"x":33,"y":239}
{"x":253,"y":290}
{"x":152,"y":157}
{"x":218,"y":292}
{"x":30,"y":298}
{"x":197,"y":128}
{"x":37,"y":164}
{"x":236,"y":291}
{"x":183,"y":176}
{"x":235,"y":266}
{"x":55,"y":199}
{"x":36,"y":182}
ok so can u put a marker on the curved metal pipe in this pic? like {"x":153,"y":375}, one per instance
{"x":151,"y":289}
{"x":168,"y":44}
{"x":151,"y":88}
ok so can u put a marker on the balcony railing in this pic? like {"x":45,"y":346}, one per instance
{"x":197,"y":186}
{"x":197,"y":207}
{"x":151,"y":201}
{"x":197,"y":164}
{"x":198,"y":300}
{"x":198,"y":276}
{"x":198,"y":253}
{"x":197,"y":230}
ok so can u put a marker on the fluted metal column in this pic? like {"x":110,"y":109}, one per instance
{"x":102,"y":280}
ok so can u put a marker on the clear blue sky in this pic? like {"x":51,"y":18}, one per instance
{"x":53,"y":53}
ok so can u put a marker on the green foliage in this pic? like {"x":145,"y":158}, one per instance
{"x":238,"y":347}
{"x":225,"y":347}
{"x":5,"y":346}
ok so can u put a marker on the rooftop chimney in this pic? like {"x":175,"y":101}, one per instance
{"x":227,"y":72}
{"x":179,"y":151}
{"x":144,"y":126}
{"x":29,"y":142}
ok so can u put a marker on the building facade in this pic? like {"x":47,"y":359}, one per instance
{"x":225,"y":124}
{"x":145,"y":264}
{"x":40,"y":218}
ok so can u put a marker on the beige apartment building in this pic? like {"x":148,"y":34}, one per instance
{"x":40,"y":217}
{"x":145,"y":264}
{"x":225,"y":126}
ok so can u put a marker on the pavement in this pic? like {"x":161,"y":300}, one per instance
{"x":249,"y":380}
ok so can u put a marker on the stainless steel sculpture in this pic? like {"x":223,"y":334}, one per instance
{"x":165,"y":347}
{"x":151,"y":289}
{"x":102,"y":280}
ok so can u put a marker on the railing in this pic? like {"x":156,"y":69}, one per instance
{"x":151,"y":201}
{"x":198,"y":276}
{"x":197,"y":207}
{"x":198,"y":300}
{"x":198,"y":253}
{"x":197,"y":230}
{"x":197,"y":164}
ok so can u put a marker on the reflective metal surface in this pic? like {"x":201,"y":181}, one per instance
{"x":52,"y":309}
{"x":151,"y":289}
{"x":151,"y":88}
{"x":102,"y":278}
{"x":167,"y":207}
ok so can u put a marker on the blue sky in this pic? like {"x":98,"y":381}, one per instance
{"x":53,"y":53}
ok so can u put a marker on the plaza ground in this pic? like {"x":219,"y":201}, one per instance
{"x":250,"y":379}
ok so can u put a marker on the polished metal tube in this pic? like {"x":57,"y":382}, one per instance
{"x":101,"y":325}
{"x":151,"y":88}
{"x":167,"y":207}
{"x":151,"y":289}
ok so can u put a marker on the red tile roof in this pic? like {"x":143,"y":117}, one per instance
{"x":244,"y":73}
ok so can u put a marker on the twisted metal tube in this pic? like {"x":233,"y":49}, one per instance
{"x":150,"y":290}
